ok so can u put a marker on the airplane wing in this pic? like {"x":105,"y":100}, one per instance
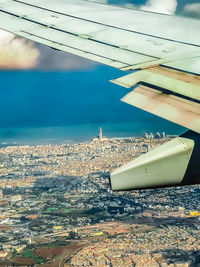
{"x":161,"y":51}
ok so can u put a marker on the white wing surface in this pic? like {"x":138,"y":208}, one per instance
{"x":119,"y":37}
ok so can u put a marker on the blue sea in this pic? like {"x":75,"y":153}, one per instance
{"x":38,"y":107}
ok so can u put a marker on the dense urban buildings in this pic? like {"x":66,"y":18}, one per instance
{"x":57,"y":209}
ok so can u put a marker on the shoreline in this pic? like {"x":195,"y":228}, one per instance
{"x":80,"y":133}
{"x":70,"y":142}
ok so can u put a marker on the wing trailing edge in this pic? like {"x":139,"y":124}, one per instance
{"x":168,"y":106}
{"x":167,"y":93}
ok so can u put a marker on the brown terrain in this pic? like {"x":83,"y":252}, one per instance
{"x":49,"y":253}
{"x":23,"y":261}
{"x":54,"y":255}
{"x":5,"y":228}
{"x":57,"y":254}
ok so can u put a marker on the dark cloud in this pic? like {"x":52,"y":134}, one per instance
{"x":50,"y":59}
{"x":192,"y":10}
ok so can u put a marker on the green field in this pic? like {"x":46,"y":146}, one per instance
{"x":49,"y":210}
{"x":28,"y":253}
{"x":66,"y":210}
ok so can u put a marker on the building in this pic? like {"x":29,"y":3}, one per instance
{"x":1,"y":194}
{"x":115,"y":209}
{"x":194,"y":213}
{"x":100,"y":134}
{"x":16,"y":198}
{"x":100,"y":137}
{"x":181,"y":211}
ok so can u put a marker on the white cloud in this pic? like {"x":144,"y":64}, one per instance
{"x":51,"y":59}
{"x":16,"y":52}
{"x":19,"y":53}
{"x":192,"y":10}
{"x":161,"y":6}
{"x":131,"y":6}
{"x":100,"y":1}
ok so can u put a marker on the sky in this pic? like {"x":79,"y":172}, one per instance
{"x":43,"y":87}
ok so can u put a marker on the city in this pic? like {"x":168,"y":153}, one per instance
{"x":57,"y":209}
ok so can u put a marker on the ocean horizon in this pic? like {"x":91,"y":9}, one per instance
{"x":79,"y":133}
{"x":38,"y":107}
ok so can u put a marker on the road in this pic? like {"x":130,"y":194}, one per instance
{"x":62,"y":263}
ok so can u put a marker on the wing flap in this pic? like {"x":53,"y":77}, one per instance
{"x":178,"y":110}
{"x":190,"y":65}
{"x":187,"y":85}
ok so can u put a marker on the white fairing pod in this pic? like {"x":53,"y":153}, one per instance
{"x":163,"y":166}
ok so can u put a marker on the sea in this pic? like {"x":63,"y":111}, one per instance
{"x":55,"y":107}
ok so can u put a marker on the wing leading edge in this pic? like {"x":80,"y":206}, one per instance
{"x":123,"y":38}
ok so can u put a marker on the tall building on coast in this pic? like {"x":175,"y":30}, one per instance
{"x":100,"y":134}
{"x":100,"y":137}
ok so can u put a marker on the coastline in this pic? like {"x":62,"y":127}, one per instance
{"x":80,"y":133}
